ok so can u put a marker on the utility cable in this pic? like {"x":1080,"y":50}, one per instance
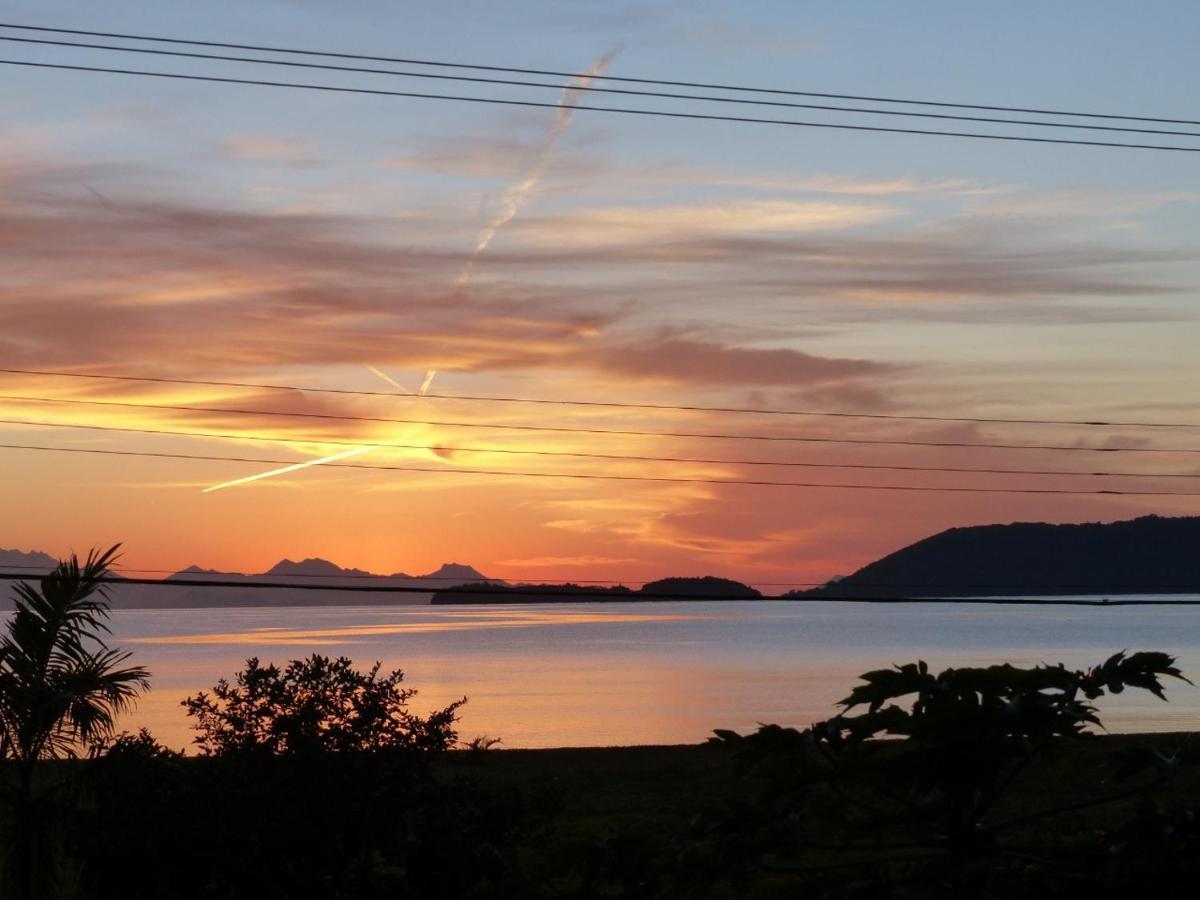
{"x":605,"y":404}
{"x":590,"y":88}
{"x":652,"y":113}
{"x":603,"y":77}
{"x":591,"y":476}
{"x":620,"y":432}
{"x":616,"y":457}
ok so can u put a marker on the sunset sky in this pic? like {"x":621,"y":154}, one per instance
{"x":235,"y":233}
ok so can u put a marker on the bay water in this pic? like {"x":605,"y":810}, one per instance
{"x":650,"y":673}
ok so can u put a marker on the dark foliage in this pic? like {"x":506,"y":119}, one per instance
{"x":332,"y":825}
{"x":316,"y":780}
{"x":316,"y":705}
{"x":61,"y":687}
{"x":931,"y":806}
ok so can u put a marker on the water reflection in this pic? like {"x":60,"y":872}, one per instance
{"x":483,"y":619}
{"x":631,"y":674}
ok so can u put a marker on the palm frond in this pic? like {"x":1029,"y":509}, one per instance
{"x":60,"y":683}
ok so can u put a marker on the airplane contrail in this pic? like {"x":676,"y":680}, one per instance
{"x":515,"y":196}
{"x":388,"y":378}
{"x":353,"y":451}
{"x":427,"y":383}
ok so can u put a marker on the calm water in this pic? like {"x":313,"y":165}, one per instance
{"x":574,"y":675}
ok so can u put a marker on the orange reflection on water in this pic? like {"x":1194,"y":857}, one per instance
{"x":478,"y":620}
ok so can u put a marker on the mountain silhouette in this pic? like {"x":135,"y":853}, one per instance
{"x":327,"y":577}
{"x":313,"y":566}
{"x":19,"y":560}
{"x":1148,"y":555}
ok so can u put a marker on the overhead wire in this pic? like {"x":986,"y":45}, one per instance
{"x":652,"y":113}
{"x":632,"y":597}
{"x":604,"y":404}
{"x":518,"y":581}
{"x":614,"y":457}
{"x":595,"y":476}
{"x":619,"y":432}
{"x":590,"y":88}
{"x":597,"y":77}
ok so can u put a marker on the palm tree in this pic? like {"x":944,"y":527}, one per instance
{"x":61,"y":685}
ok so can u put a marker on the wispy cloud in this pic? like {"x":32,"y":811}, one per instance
{"x":269,"y":148}
{"x":514,"y":198}
{"x":540,"y":562}
{"x":1101,"y":204}
{"x":661,"y":224}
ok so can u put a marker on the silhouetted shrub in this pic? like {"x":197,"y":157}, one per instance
{"x":315,"y":780}
{"x":317,"y":704}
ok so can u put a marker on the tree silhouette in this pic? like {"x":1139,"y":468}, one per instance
{"x":315,"y":705}
{"x":61,"y":686}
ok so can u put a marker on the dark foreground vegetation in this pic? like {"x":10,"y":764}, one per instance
{"x":316,"y":779}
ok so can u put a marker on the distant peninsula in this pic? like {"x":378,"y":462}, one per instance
{"x":1148,"y":555}
{"x":707,"y":587}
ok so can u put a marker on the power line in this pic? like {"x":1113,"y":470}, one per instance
{"x":518,"y":581}
{"x":605,"y":404}
{"x":457,"y":579}
{"x":496,"y":101}
{"x":621,"y":457}
{"x":708,"y":98}
{"x":621,"y":432}
{"x":591,"y":476}
{"x":602,"y":77}
{"x":301,"y":586}
{"x":617,"y":597}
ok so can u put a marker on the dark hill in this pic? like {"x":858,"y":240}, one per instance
{"x":707,"y":587}
{"x":1151,"y":554}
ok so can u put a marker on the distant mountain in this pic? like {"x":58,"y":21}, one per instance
{"x":1148,"y":555}
{"x":17,"y":562}
{"x":707,"y":587}
{"x":312,"y":582}
{"x":20,"y":560}
{"x":450,"y":572}
{"x":311,"y":567}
